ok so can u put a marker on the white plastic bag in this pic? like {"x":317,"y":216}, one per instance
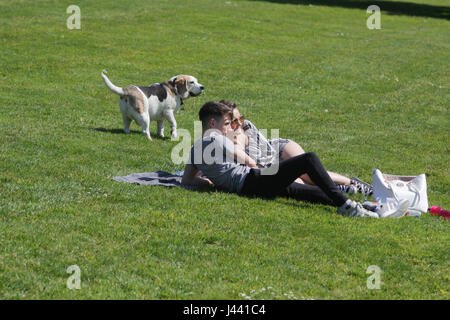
{"x":388,"y":189}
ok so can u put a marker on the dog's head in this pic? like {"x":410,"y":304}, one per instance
{"x":186,"y":86}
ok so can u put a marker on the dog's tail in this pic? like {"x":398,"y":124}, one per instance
{"x":112,"y":87}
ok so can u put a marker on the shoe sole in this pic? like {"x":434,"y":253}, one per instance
{"x":371,"y":215}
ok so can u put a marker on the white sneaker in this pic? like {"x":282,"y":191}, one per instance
{"x":355,"y":209}
{"x":398,"y":211}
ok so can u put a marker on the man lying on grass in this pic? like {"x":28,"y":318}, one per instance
{"x":232,"y":170}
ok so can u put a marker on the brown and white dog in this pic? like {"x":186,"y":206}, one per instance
{"x":159,"y":101}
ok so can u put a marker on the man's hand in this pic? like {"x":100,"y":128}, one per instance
{"x":191,"y":177}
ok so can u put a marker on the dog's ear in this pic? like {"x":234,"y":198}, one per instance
{"x":181,"y":86}
{"x":172,"y":81}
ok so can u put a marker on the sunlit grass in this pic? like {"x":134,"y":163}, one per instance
{"x":360,"y":99}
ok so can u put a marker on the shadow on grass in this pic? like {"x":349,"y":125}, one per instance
{"x":391,"y":7}
{"x":115,"y":131}
{"x":120,"y":131}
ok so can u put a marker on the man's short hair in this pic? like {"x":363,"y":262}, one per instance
{"x":214,"y":110}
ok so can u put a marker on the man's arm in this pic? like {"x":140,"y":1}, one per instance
{"x":238,"y":149}
{"x":191,"y":178}
{"x":244,"y":158}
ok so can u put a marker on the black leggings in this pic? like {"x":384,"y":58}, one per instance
{"x":282,"y":183}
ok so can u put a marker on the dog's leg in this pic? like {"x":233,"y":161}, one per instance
{"x":146,"y":125}
{"x":123,"y":106}
{"x":126,"y":123}
{"x":173,"y":123}
{"x":144,"y":121}
{"x":161,"y":128}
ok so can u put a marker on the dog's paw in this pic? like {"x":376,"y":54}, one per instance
{"x":174,"y":134}
{"x":147,"y":134}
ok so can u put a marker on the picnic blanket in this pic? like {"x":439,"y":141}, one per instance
{"x":157,"y":178}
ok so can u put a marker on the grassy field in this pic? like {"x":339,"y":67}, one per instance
{"x":361,"y":99}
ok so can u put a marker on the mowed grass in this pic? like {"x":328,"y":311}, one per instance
{"x":361,"y":99}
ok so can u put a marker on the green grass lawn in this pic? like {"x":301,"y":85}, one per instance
{"x":361,"y":99}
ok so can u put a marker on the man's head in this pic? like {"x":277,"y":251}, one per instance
{"x":215,"y":115}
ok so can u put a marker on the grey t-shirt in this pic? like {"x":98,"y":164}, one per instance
{"x":214,"y":156}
